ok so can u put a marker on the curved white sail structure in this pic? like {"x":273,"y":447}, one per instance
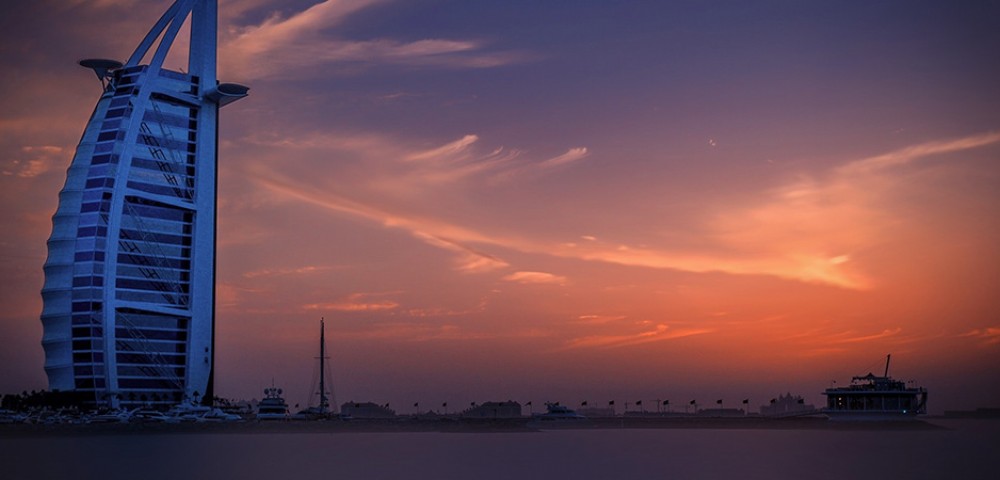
{"x":129,"y":288}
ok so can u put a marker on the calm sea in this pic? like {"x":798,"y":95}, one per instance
{"x":966,"y":449}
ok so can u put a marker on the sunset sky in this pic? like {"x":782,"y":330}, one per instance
{"x":562,"y":200}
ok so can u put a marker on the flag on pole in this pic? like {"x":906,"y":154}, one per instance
{"x":583,"y":403}
{"x":719,"y":401}
{"x":746,"y":401}
{"x":611,"y":402}
{"x":528,"y":404}
{"x":638,"y":402}
{"x":445,"y":404}
{"x":666,"y":402}
{"x":692,"y":402}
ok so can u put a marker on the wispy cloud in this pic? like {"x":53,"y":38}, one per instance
{"x":309,"y":269}
{"x":661,"y":333}
{"x":533,"y":170}
{"x":908,"y":154}
{"x":422,"y":332}
{"x":442,"y":235}
{"x":459,"y":148}
{"x":356,"y":302}
{"x":988,"y":335}
{"x":851,"y":337}
{"x":535,"y":278}
{"x":808,"y":230}
{"x":571,"y":155}
{"x":446,"y":164}
{"x":441,"y":312}
{"x":283,"y":46}
{"x":32,"y":161}
{"x":468,"y":260}
{"x":599,"y":319}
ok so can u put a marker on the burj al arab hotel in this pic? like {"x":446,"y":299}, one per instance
{"x":129,"y":294}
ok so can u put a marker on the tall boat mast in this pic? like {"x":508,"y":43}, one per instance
{"x":887,"y":357}
{"x":323,"y":403}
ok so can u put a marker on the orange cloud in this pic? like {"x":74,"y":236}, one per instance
{"x":989,"y":335}
{"x":287,"y":271}
{"x":660,"y":333}
{"x":535,"y":278}
{"x":867,"y":338}
{"x":354,"y":303}
{"x":599,"y":319}
{"x":809,"y":230}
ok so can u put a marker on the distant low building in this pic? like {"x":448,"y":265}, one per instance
{"x":596,"y":411}
{"x":367,"y":410}
{"x":641,"y":413}
{"x":787,"y":404}
{"x":721,"y":412}
{"x":977,"y":413}
{"x":508,"y":409}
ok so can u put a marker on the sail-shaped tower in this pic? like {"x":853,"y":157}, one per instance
{"x":129,"y":295}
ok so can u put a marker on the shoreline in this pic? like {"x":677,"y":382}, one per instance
{"x":409,"y":425}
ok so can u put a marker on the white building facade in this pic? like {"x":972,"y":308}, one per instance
{"x":129,"y":294}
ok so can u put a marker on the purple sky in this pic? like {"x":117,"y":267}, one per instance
{"x":562,"y":200}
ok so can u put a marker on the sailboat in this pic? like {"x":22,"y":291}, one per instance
{"x":323,"y":410}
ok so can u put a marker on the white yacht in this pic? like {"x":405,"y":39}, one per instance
{"x":272,"y":406}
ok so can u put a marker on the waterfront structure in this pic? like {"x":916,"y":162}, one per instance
{"x":557,"y":412}
{"x":508,"y":409}
{"x":129,"y":294}
{"x":787,"y":405}
{"x":366,"y":410}
{"x":595,"y":412}
{"x":871,"y":397}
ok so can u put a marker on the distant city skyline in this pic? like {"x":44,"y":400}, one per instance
{"x":538,"y":202}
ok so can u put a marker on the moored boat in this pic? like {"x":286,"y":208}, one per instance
{"x":322,"y":411}
{"x":875,"y":398}
{"x":558,"y":413}
{"x":272,"y":406}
